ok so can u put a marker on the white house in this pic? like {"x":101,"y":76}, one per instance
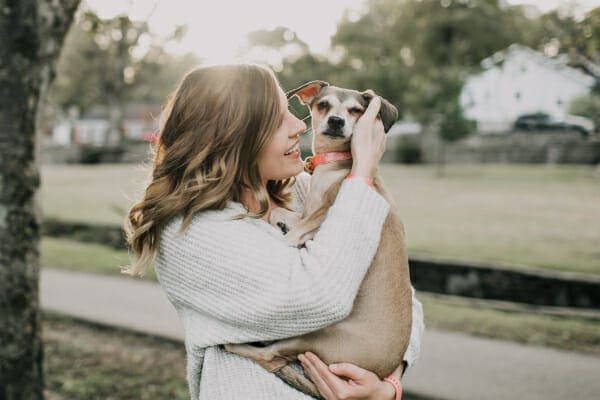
{"x":519,"y":81}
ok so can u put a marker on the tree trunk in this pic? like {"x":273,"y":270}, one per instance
{"x":31,"y":35}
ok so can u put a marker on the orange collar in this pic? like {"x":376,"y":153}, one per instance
{"x":310,"y":163}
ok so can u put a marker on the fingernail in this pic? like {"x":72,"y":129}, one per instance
{"x":334,"y":367}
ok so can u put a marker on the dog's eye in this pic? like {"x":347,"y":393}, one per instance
{"x":323,"y":105}
{"x":355,"y":110}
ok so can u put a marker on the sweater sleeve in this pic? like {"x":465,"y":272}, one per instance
{"x":416,"y":333}
{"x":235,"y":274}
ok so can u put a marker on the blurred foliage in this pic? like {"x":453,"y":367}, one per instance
{"x":563,"y":32}
{"x":109,"y":62}
{"x":415,"y":53}
{"x":418,"y":53}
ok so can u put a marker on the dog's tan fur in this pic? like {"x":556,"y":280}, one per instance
{"x":376,"y":333}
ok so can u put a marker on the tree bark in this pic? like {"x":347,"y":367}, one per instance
{"x":31,"y":35}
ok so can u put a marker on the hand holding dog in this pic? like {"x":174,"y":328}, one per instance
{"x":368,"y":141}
{"x":361,"y":384}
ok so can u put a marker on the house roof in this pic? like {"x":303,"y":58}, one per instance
{"x":559,"y":64}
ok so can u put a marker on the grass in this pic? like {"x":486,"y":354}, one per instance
{"x":86,"y":362}
{"x":559,"y":332}
{"x":85,"y":257}
{"x":91,"y":193}
{"x":564,"y":333}
{"x":534,"y":215}
{"x":539,"y":216}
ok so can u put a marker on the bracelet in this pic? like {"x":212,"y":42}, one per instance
{"x":364,"y":178}
{"x":396,"y":384}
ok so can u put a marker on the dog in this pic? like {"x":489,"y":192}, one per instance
{"x":384,"y":300}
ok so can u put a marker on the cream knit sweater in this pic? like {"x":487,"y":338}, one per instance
{"x":235,"y":281}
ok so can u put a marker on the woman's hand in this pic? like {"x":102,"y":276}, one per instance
{"x":368,"y":141}
{"x":361,"y":384}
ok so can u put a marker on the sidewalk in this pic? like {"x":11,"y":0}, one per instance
{"x":452,"y":366}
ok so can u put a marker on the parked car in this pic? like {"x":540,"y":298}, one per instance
{"x":544,"y":122}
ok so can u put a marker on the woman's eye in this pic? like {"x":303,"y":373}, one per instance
{"x":323,"y":105}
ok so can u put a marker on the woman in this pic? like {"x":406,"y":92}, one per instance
{"x":220,"y":168}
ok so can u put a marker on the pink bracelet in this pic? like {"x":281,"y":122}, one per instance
{"x":364,"y":178}
{"x":396,"y":384}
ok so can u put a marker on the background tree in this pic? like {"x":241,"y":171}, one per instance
{"x":31,"y":35}
{"x":111,"y":62}
{"x":419,"y":53}
{"x":290,"y":58}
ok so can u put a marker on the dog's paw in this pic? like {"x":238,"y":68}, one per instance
{"x":298,"y":237}
{"x":293,"y":238}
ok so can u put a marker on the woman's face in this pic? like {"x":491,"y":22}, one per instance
{"x":276,"y":162}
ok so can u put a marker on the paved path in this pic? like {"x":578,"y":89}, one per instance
{"x":452,"y":366}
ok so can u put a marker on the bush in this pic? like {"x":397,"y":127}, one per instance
{"x":587,"y":106}
{"x":408,"y":151}
{"x":100,"y":154}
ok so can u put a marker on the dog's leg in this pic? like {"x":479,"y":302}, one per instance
{"x":264,"y":356}
{"x":268,"y":358}
{"x":298,"y":380}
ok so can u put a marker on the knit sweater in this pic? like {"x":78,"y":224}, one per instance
{"x":236,"y":281}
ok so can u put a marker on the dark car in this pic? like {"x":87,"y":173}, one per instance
{"x":544,"y":122}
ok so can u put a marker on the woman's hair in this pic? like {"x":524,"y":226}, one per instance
{"x":215,"y":126}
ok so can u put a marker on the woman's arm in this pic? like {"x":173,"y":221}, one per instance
{"x":365,"y":384}
{"x":250,"y":286}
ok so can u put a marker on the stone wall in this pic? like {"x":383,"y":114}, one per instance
{"x":515,"y":147}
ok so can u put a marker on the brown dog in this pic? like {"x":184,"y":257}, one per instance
{"x":384,"y":301}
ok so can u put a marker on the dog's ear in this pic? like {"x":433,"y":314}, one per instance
{"x":307,"y":92}
{"x":388,"y":112}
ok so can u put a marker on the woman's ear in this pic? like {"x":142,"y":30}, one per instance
{"x":307,"y":92}
{"x":388,"y":112}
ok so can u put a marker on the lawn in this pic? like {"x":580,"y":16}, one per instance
{"x":560,"y":332}
{"x":539,"y":216}
{"x":533,"y":215}
{"x":86,"y":362}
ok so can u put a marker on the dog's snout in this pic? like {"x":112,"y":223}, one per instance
{"x":335,"y":122}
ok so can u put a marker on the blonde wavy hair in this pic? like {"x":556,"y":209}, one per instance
{"x":215,"y":126}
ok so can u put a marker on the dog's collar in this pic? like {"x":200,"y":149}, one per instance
{"x":310,"y":163}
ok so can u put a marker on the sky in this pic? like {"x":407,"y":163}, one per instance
{"x":216,"y":29}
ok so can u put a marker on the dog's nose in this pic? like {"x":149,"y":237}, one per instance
{"x":335,"y":122}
